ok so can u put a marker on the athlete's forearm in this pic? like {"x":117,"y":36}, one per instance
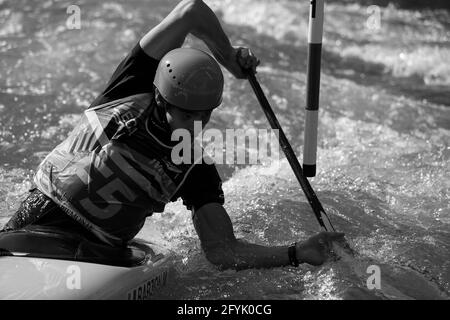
{"x":248,"y":255}
{"x":170,"y":33}
{"x":194,"y":17}
{"x":244,"y":255}
{"x":206,"y":26}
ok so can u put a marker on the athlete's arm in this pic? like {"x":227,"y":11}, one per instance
{"x":215,"y":230}
{"x":195,"y":17}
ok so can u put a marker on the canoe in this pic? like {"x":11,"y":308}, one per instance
{"x":43,"y":263}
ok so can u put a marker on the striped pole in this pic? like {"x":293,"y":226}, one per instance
{"x":313,"y":87}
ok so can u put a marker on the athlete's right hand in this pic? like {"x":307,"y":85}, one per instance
{"x":319,"y":248}
{"x":241,"y":59}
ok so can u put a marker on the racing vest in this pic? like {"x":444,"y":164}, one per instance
{"x":112,"y":172}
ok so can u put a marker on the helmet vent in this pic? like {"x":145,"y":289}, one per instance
{"x":170,"y":70}
{"x":168,"y":65}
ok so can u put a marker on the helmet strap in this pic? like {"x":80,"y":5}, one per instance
{"x":161,"y":109}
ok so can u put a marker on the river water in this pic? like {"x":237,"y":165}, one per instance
{"x":384,"y":132}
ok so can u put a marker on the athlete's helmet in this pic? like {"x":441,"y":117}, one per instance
{"x":190,"y":79}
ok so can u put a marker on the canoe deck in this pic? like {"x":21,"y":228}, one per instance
{"x":44,"y":264}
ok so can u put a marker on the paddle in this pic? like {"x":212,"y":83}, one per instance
{"x":341,"y":250}
{"x":316,"y":206}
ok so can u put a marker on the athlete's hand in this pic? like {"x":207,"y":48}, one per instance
{"x":242,"y":59}
{"x":319,"y":248}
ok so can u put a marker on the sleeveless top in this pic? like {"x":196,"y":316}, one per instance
{"x":111,"y":172}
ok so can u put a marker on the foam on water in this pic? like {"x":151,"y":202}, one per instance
{"x":373,"y":206}
{"x":404,"y":44}
{"x":383,"y":157}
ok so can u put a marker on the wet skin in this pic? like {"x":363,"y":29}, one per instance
{"x":178,"y":118}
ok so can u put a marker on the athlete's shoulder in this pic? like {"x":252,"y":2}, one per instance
{"x":137,"y":104}
{"x":140,"y":99}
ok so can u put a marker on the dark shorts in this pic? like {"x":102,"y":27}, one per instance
{"x":41,"y":229}
{"x":38,"y":209}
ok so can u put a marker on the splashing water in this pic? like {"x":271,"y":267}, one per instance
{"x":383,"y":157}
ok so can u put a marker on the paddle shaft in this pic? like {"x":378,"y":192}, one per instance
{"x":290,"y":155}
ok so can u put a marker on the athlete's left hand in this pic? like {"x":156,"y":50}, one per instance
{"x":319,"y":248}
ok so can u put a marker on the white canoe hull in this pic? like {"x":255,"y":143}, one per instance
{"x":38,"y":278}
